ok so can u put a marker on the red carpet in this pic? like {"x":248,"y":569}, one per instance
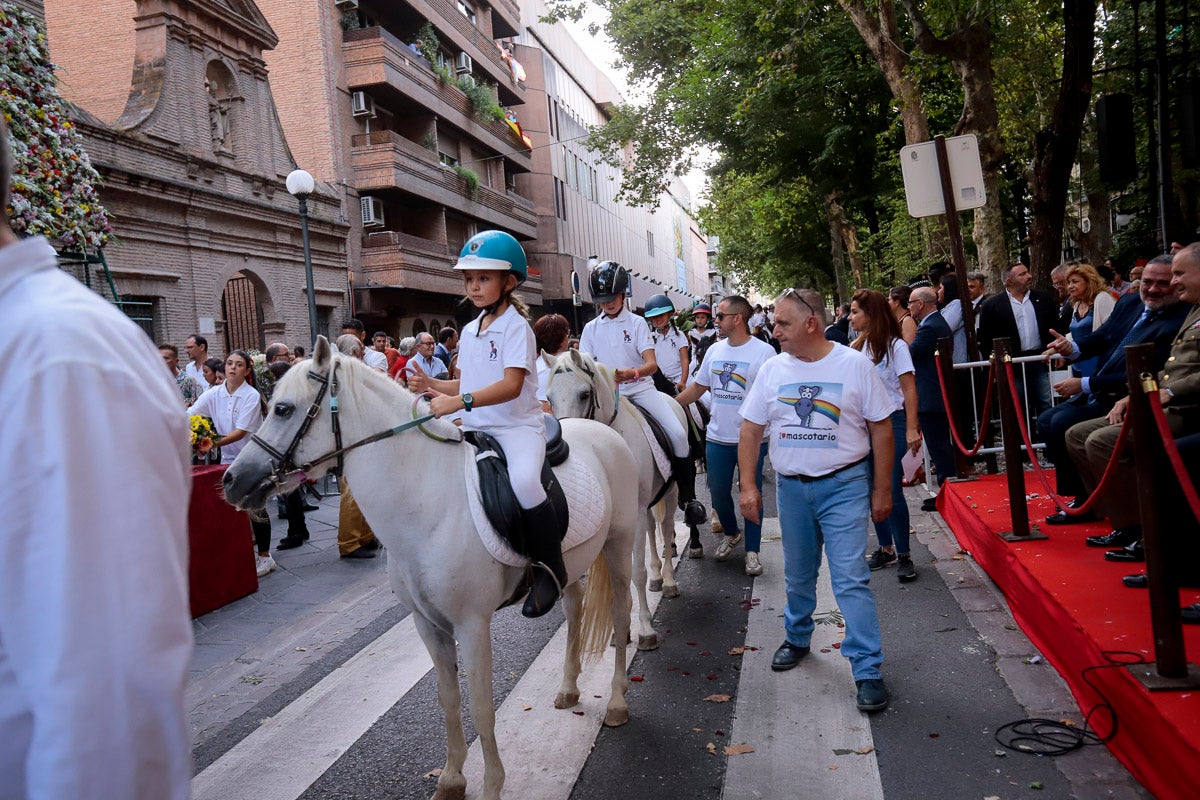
{"x":1070,"y":602}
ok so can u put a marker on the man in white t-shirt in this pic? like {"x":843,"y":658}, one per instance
{"x":729,"y":369}
{"x":825,"y":409}
{"x":621,"y":341}
{"x":196,"y":348}
{"x":371,"y":357}
{"x":95,"y":629}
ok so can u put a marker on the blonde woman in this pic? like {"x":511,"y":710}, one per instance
{"x":1091,"y":304}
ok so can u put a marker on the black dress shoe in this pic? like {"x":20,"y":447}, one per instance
{"x":359,"y":553}
{"x":289,"y":542}
{"x":310,"y":507}
{"x":929,"y":504}
{"x":787,"y":656}
{"x":1139,"y":581}
{"x":1063,"y":518}
{"x":1132,"y":553}
{"x":1121,"y":537}
{"x":1191,"y":614}
{"x":372,"y":546}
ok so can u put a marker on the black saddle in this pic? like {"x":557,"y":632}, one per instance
{"x":500,"y":503}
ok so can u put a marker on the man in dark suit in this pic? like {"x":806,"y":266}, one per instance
{"x":1154,"y":315}
{"x":839,"y":331}
{"x":1025,"y":316}
{"x":931,"y":412}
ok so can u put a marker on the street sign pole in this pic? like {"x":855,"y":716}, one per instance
{"x":956,"y":246}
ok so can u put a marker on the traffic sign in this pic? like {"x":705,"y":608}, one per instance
{"x":923,"y":183}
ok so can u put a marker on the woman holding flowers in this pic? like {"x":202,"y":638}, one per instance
{"x":237,"y":409}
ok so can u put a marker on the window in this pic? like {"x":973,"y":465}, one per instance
{"x":650,"y":242}
{"x":568,"y":168}
{"x":585,"y":179}
{"x":143,"y":311}
{"x":467,"y":11}
{"x":550,"y":116}
{"x":447,"y":160}
{"x":560,"y":200}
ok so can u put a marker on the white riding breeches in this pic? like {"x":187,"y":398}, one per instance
{"x":525,"y":450}
{"x":658,"y":405}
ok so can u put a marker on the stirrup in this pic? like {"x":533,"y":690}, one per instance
{"x":530,"y":608}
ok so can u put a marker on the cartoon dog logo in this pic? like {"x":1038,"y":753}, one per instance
{"x":806,"y":404}
{"x":493,"y":353}
{"x":726,"y":375}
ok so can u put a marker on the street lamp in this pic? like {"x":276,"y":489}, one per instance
{"x":300,"y":185}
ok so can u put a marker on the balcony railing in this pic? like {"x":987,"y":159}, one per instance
{"x":373,"y":57}
{"x":486,"y":47}
{"x":385,"y":159}
{"x":391,"y":258}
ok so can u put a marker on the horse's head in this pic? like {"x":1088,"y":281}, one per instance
{"x":290,"y":435}
{"x":579,"y":386}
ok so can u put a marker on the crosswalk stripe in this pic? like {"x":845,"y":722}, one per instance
{"x":319,"y":726}
{"x":531,"y":768}
{"x":798,"y":748}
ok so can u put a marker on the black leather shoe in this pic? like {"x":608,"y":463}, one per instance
{"x":372,"y":546}
{"x":1191,"y":614}
{"x":787,"y":656}
{"x":310,"y":507}
{"x":1138,"y":581}
{"x":1132,"y":553}
{"x":359,"y":553}
{"x":872,"y":694}
{"x":929,"y":504}
{"x":1121,"y":537}
{"x":288,"y":542}
{"x":1063,"y":518}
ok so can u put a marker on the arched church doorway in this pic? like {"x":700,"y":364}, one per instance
{"x":243,"y":313}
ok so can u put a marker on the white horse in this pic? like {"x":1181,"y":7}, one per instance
{"x":580,"y":387}
{"x":436,"y":562}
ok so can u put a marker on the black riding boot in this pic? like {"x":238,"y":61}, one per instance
{"x":544,"y":546}
{"x":685,"y":478}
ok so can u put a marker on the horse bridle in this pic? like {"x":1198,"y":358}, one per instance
{"x":282,"y":466}
{"x":593,"y":406}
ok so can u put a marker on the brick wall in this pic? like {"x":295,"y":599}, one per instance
{"x":95,"y":60}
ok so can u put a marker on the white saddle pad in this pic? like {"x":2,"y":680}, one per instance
{"x":660,"y":456}
{"x":584,"y":497}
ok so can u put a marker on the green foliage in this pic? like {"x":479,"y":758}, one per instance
{"x":479,"y":95}
{"x":470,"y":177}
{"x":428,"y":42}
{"x":429,"y":142}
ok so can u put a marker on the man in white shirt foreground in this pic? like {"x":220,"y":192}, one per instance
{"x":825,"y":409}
{"x":371,"y":357}
{"x":95,"y":630}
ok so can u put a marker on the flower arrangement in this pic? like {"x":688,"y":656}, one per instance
{"x":53,"y":190}
{"x":264,"y":379}
{"x":204,"y":440}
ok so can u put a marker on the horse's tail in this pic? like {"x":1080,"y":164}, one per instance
{"x":596,"y":628}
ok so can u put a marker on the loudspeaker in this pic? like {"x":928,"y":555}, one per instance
{"x":1116,"y":142}
{"x":1189,"y":123}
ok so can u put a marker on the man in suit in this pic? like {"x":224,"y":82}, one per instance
{"x":1091,"y":443}
{"x":1025,"y":316}
{"x":1154,"y":315}
{"x":839,"y":331}
{"x":931,"y":412}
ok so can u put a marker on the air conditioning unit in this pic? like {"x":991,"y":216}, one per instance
{"x":372,"y":212}
{"x":463,"y":64}
{"x":346,"y":5}
{"x":361,"y":104}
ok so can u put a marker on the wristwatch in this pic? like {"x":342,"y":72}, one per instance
{"x":468,"y":400}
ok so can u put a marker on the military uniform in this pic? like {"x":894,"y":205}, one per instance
{"x":1091,"y":443}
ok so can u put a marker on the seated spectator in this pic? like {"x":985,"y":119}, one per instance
{"x":425,"y":360}
{"x":1153,"y":316}
{"x":1090,"y":307}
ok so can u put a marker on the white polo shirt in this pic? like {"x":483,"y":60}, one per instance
{"x":375,"y":359}
{"x":816,"y":413}
{"x":237,"y":411}
{"x":508,"y":342}
{"x":666,"y":351}
{"x":196,"y":374}
{"x":618,"y":343}
{"x":729,"y":372}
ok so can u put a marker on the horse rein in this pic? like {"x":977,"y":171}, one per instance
{"x":282,"y":466}
{"x":593,"y":406}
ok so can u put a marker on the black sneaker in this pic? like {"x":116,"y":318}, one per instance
{"x":905,"y":570}
{"x":880,"y":558}
{"x":872,"y":695}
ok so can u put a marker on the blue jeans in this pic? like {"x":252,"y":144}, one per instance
{"x":832,"y":512}
{"x":894,"y":529}
{"x":722,"y":460}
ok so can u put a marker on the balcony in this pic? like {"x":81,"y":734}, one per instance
{"x":477,"y":45}
{"x":384,"y":161}
{"x":391,"y":258}
{"x":506,"y":18}
{"x":375,"y":59}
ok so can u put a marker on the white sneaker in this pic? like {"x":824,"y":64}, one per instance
{"x":753,"y":565}
{"x":264,"y":564}
{"x":726,"y":546}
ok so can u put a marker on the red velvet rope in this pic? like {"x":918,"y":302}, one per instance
{"x":1164,"y":430}
{"x":986,"y":416}
{"x":1110,"y":469}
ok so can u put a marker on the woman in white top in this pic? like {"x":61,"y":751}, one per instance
{"x":879,"y":339}
{"x":237,"y":409}
{"x":497,"y":390}
{"x":552,"y":333}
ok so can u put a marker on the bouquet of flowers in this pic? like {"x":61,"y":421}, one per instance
{"x":264,"y":379}
{"x":204,"y":441}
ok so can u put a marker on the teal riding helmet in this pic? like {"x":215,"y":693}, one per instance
{"x":658,"y":304}
{"x":495,"y":250}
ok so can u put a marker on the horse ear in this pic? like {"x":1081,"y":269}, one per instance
{"x":575,"y":356}
{"x":550,"y":360}
{"x":321,"y":354}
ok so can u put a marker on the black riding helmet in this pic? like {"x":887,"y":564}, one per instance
{"x":607,"y":280}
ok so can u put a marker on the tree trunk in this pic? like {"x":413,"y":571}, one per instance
{"x":1055,"y":146}
{"x":837,"y":252}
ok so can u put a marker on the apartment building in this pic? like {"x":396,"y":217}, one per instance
{"x":404,"y":102}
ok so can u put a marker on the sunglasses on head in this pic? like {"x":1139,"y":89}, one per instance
{"x":795,"y":294}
